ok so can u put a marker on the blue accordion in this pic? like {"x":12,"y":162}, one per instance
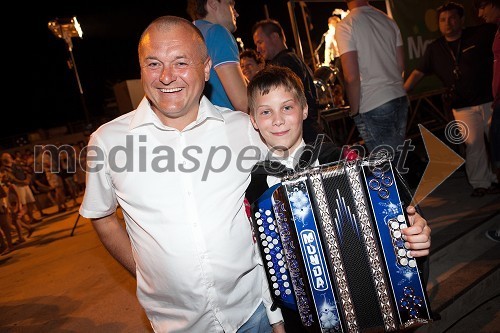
{"x":330,"y":238}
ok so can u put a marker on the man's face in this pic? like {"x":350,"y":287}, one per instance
{"x":227,"y":14}
{"x":173,"y":73}
{"x":266,"y":45}
{"x":278,"y":116}
{"x":450,"y":23}
{"x":250,"y":67}
{"x":489,"y":13}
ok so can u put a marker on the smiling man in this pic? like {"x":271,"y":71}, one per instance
{"x":187,"y":238}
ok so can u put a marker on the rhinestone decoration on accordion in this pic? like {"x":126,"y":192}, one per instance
{"x":274,"y":258}
{"x":411,"y":303}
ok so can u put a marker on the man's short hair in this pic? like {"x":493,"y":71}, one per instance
{"x":481,"y":3}
{"x":168,"y":21}
{"x":196,"y":9}
{"x":451,"y":6}
{"x":272,"y":77}
{"x":251,"y":53}
{"x":269,"y":26}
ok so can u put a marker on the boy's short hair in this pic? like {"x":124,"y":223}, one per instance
{"x":272,"y":77}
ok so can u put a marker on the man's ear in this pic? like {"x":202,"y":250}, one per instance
{"x":275,"y":36}
{"x":212,"y":5}
{"x":208,"y":65}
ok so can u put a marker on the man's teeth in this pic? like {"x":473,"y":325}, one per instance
{"x":170,"y":90}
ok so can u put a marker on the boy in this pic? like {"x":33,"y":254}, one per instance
{"x":278,"y":106}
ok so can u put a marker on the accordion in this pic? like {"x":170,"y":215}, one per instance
{"x":331,"y":242}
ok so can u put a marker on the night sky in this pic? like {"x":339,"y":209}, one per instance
{"x":42,"y":91}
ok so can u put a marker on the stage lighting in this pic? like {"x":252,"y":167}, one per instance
{"x":67,"y":28}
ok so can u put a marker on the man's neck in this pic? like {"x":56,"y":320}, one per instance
{"x":284,"y":48}
{"x":357,"y":3}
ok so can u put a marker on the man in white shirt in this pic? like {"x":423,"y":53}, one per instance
{"x":179,"y":166}
{"x":372,"y":57}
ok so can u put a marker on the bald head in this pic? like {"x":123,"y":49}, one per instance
{"x":166,"y":23}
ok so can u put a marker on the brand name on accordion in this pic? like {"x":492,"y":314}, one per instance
{"x":314,"y":260}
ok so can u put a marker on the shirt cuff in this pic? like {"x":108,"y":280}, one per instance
{"x":274,"y":316}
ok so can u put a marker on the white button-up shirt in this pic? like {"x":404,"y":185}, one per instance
{"x":182,"y":196}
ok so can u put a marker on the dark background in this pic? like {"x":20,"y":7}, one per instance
{"x":42,"y":90}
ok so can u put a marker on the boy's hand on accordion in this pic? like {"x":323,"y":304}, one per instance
{"x":418,"y":234}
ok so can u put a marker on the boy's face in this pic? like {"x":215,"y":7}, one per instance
{"x":278,"y":116}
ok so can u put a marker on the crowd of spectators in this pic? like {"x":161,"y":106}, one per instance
{"x":49,"y":177}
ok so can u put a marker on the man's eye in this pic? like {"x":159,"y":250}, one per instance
{"x":153,"y":65}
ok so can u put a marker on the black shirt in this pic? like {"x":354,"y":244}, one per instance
{"x":470,"y":57}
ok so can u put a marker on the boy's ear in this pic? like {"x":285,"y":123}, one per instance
{"x":252,"y":119}
{"x":305,"y":112}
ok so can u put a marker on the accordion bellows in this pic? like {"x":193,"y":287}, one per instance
{"x":330,"y":238}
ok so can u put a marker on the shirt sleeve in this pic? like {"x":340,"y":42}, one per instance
{"x":273,"y":316}
{"x":343,"y":36}
{"x":399,"y":39}
{"x":100,"y":198}
{"x":221,"y":46}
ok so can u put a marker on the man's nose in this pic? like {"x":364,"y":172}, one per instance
{"x":167,"y":75}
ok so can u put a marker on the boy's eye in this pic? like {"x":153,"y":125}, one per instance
{"x":288,"y":108}
{"x":265,"y":112}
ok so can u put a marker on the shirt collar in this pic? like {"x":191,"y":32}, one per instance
{"x":291,"y":160}
{"x":144,"y":115}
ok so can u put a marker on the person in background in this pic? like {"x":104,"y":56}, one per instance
{"x":489,"y":11}
{"x":5,"y":227}
{"x":251,"y":63}
{"x":216,"y":20}
{"x":331,"y":48}
{"x":17,"y":176}
{"x":372,"y":57}
{"x":270,"y":42}
{"x":187,"y":238}
{"x":462,"y":59}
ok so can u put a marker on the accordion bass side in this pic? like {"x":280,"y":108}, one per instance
{"x":330,"y":238}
